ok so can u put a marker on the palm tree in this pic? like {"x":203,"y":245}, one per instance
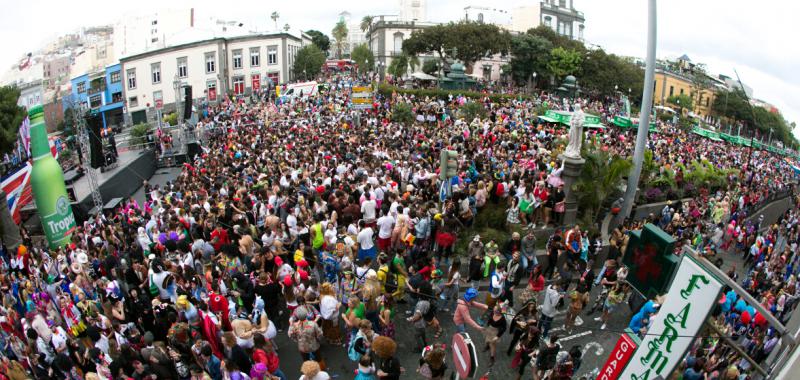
{"x":600,"y":178}
{"x":339,"y":33}
{"x":366,"y":22}
{"x":275,"y":16}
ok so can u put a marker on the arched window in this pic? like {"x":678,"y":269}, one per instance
{"x":480,"y":17}
{"x":548,"y":21}
{"x":398,"y":42}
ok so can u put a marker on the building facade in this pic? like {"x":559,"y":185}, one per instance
{"x":563,"y":18}
{"x":414,"y":10}
{"x":102,"y":92}
{"x":140,"y":32}
{"x":212,"y":68}
{"x":386,"y":40}
{"x":669,"y":83}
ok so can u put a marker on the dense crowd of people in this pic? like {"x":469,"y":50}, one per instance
{"x":319,"y":222}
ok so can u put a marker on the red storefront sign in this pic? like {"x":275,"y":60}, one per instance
{"x":618,"y":359}
{"x":256,"y":82}
{"x":212,"y":93}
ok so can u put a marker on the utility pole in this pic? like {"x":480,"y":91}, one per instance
{"x":644,"y":114}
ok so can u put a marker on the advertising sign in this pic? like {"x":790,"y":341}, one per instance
{"x":212,"y":94}
{"x":618,"y":359}
{"x":361,"y":98}
{"x":691,"y":297}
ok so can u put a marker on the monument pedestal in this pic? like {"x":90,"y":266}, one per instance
{"x":572,"y":169}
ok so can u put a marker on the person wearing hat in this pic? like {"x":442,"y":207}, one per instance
{"x":461,"y":315}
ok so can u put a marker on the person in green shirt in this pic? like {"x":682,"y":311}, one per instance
{"x":491,"y":259}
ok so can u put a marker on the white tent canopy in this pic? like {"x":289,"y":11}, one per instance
{"x":422,"y":76}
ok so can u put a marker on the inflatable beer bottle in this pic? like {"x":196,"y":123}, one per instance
{"x":47,"y":182}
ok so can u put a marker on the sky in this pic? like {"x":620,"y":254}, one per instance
{"x":755,"y":39}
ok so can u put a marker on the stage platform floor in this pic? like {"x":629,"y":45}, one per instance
{"x":82,"y":188}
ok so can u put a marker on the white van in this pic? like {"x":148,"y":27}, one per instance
{"x":301,"y":90}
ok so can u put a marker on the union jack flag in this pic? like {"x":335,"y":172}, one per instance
{"x":17,"y":186}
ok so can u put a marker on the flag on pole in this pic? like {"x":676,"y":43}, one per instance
{"x":25,"y":134}
{"x":18,"y":191}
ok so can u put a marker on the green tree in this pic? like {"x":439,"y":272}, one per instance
{"x":363,"y":57}
{"x":430,"y":67}
{"x":564,"y":62}
{"x":320,"y":39}
{"x":308,"y":61}
{"x":681,"y":101}
{"x":11,"y":116}
{"x":401,"y":113}
{"x":339,"y":34}
{"x":599,"y":180}
{"x":467,"y":41}
{"x":556,"y":39}
{"x":366,"y":22}
{"x":600,"y":72}
{"x":529,"y":54}
{"x":399,"y":66}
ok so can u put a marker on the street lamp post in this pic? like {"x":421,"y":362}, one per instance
{"x":644,"y":115}
{"x":176,"y":83}
{"x":534,"y":82}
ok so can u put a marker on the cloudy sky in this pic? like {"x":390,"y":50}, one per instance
{"x":755,"y":39}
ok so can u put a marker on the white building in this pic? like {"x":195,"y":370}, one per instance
{"x":488,"y":15}
{"x":414,"y":10}
{"x":212,"y":66}
{"x":386,"y":40}
{"x":139,"y":32}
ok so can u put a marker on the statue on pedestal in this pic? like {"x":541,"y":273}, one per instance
{"x":575,"y":133}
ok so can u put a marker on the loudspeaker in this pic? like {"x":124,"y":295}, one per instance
{"x":94,"y":124}
{"x":187,"y":104}
{"x":193,"y":149}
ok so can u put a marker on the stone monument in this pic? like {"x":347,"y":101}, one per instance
{"x":573,"y":163}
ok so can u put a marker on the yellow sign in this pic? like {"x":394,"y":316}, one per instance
{"x":278,"y":91}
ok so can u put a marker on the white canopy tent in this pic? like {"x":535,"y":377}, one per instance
{"x":422,"y":76}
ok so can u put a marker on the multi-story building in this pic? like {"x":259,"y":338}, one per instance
{"x":212,"y":67}
{"x":414,"y":10}
{"x":56,"y":70}
{"x":139,"y":32}
{"x":563,"y":18}
{"x":386,"y":39}
{"x":102,"y":92}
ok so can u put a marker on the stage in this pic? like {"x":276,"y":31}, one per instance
{"x":133,"y":168}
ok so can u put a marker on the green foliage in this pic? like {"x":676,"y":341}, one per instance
{"x":11,"y":117}
{"x":308,"y":61}
{"x":139,"y":134}
{"x":529,"y":54}
{"x":401,"y":113}
{"x":366,"y":22}
{"x":339,"y":34}
{"x":599,"y":180}
{"x":363,"y":57}
{"x":704,"y":174}
{"x":600,"y":72}
{"x":435,"y":93}
{"x":430,"y":67}
{"x":471,"y":41}
{"x":733,"y":106}
{"x":399,"y":66}
{"x":171,"y":118}
{"x":564,"y":62}
{"x":471,"y":110}
{"x":681,"y":101}
{"x":556,"y":39}
{"x":66,"y":126}
{"x":320,"y":39}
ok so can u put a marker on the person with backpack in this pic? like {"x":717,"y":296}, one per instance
{"x":497,"y":282}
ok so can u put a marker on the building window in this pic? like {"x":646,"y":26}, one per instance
{"x":272,"y":78}
{"x":155,"y":22}
{"x":95,"y":101}
{"x":116,"y":77}
{"x":81,"y":87}
{"x":133,"y":101}
{"x":398,"y":43}
{"x":671,"y":90}
{"x":116,"y":97}
{"x":131,"y":73}
{"x":272,"y":55}
{"x":480,"y":17}
{"x":562,"y":3}
{"x":183,"y":67}
{"x":255,"y":57}
{"x":548,"y":21}
{"x":211,"y":65}
{"x":211,"y":90}
{"x":155,"y":72}
{"x":238,"y":85}
{"x":681,"y":91}
{"x":158,"y":98}
{"x":237,"y":59}
{"x":256,"y":82}
{"x":707,"y":101}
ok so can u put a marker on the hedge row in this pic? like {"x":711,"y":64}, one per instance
{"x":436,"y":93}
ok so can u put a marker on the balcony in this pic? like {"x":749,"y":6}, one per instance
{"x":95,"y":90}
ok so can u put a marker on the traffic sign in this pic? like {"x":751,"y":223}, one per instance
{"x":444,"y":191}
{"x":618,"y":359}
{"x":464,"y":356}
{"x":159,"y":104}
